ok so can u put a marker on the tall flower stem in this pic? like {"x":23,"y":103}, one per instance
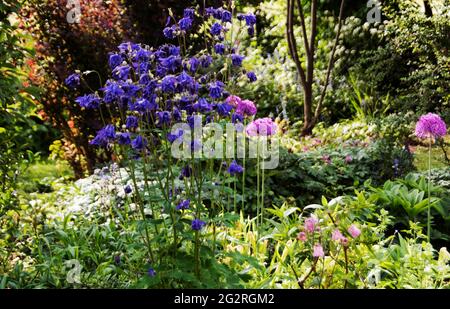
{"x":262,"y":192}
{"x":257,"y":186}
{"x":429,"y":189}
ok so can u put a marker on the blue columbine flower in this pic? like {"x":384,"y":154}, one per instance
{"x":185,"y":23}
{"x":139,"y":143}
{"x":250,"y":19}
{"x":183,"y":205}
{"x":186,"y":172}
{"x":206,"y":61}
{"x":197,"y":224}
{"x":237,"y":59}
{"x":237,"y":118}
{"x":73,"y":81}
{"x":124,"y":138}
{"x":89,"y":101}
{"x":104,"y":136}
{"x":172,"y":63}
{"x":224,"y":109}
{"x":173,"y":137}
{"x":189,"y":12}
{"x":185,"y":80}
{"x":168,"y":83}
{"x":216,"y":29}
{"x":196,"y":145}
{"x":234,"y":168}
{"x":219,"y":48}
{"x":169,"y":32}
{"x":151,"y":272}
{"x":114,"y":60}
{"x":251,"y":77}
{"x":202,"y":106}
{"x":193,"y":64}
{"x":112,"y":92}
{"x":127,"y":189}
{"x":132,"y":122}
{"x":163,"y":117}
{"x":226,"y":16}
{"x":216,"y":89}
{"x":121,"y":72}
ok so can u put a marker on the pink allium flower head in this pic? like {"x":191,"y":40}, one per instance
{"x":348,"y":159}
{"x":354,"y":231}
{"x":336,"y":235}
{"x":344,"y":241}
{"x":318,"y":251}
{"x":302,"y":236}
{"x":310,"y":224}
{"x":233,"y":100}
{"x":246,"y":108}
{"x":430,"y":125}
{"x":261,"y":127}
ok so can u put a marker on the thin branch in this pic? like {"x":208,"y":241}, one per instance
{"x":330,"y":64}
{"x":312,"y":42}
{"x":303,"y":24}
{"x":292,"y":42}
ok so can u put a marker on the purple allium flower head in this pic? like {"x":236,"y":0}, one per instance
{"x":139,"y":143}
{"x":237,"y":60}
{"x":233,"y":100}
{"x":252,"y":77}
{"x":198,"y":224}
{"x":430,"y":125}
{"x":132,"y":122}
{"x":151,"y":272}
{"x":216,"y":29}
{"x":246,"y":108}
{"x":185,"y":23}
{"x":216,"y":89}
{"x":114,"y":60}
{"x":73,"y":81}
{"x":318,"y":251}
{"x":219,"y":48}
{"x":234,"y":168}
{"x":183,"y":205}
{"x":89,"y":101}
{"x":123,"y":138}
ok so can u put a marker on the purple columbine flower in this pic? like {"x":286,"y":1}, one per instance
{"x":226,"y":16}
{"x":132,"y":122}
{"x":224,"y":109}
{"x":169,"y":32}
{"x":164,"y":117}
{"x":219,"y":48}
{"x":151,"y":272}
{"x":234,"y":168}
{"x":185,"y":23}
{"x":173,"y":137}
{"x":202,"y":106}
{"x":183,"y":205}
{"x":121,"y":72}
{"x":114,"y":60}
{"x":127,"y":189}
{"x":73,"y":81}
{"x":168,"y":84}
{"x":112,"y":91}
{"x":237,"y":118}
{"x":430,"y":125}
{"x":139,"y":143}
{"x":216,"y":89}
{"x":193,"y":64}
{"x":89,"y":101}
{"x":250,"y":18}
{"x":252,"y":77}
{"x":124,"y":138}
{"x":189,"y":12}
{"x":186,"y":172}
{"x":237,"y":60}
{"x":198,"y":224}
{"x":216,"y":29}
{"x":206,"y":61}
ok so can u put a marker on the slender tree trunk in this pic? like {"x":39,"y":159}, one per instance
{"x":428,"y":10}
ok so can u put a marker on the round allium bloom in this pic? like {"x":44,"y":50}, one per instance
{"x":183,"y":205}
{"x":302,"y":236}
{"x":197,"y":224}
{"x":354,"y":231}
{"x":311,"y":224}
{"x":73,"y":80}
{"x":234,"y":168}
{"x":261,"y":127}
{"x":233,"y":100}
{"x":318,"y":251}
{"x":246,"y":108}
{"x":430,"y":125}
{"x":336,"y":235}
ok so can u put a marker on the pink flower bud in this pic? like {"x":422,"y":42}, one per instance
{"x":318,"y":251}
{"x":310,"y":224}
{"x":302,"y":236}
{"x":336,"y":235}
{"x":354,"y":231}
